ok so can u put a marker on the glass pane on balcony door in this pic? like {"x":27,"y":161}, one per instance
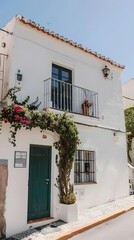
{"x":61,"y":88}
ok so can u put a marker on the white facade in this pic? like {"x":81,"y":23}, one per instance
{"x":33,"y":52}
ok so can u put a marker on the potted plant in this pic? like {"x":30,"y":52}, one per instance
{"x":85,"y":107}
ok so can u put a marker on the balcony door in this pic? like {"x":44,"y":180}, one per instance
{"x":61,"y":88}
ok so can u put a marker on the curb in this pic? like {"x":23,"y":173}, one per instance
{"x":76,"y":231}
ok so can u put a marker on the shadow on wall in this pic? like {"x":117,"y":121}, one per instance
{"x":3,"y":184}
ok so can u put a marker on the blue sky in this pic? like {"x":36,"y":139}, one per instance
{"x":105,"y":26}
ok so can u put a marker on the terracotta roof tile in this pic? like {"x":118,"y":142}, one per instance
{"x":66,"y":40}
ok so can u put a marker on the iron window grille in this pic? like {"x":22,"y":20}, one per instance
{"x":84,"y":166}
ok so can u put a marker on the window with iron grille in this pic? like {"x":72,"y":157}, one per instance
{"x":84,"y":166}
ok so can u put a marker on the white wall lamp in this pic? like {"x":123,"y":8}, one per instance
{"x":106,"y":71}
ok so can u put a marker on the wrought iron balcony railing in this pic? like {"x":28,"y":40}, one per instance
{"x":67,"y":97}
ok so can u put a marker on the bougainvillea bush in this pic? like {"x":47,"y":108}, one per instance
{"x":23,"y":115}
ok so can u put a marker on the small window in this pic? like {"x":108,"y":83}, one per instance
{"x":55,"y":73}
{"x":84,"y":166}
{"x":62,"y":74}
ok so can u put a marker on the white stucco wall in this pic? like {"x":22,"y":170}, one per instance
{"x":111,"y":167}
{"x":17,"y":189}
{"x":111,"y":173}
{"x":33,"y":54}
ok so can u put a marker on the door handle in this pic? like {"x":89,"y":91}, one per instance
{"x":47,"y":180}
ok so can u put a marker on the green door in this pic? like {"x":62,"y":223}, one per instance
{"x":39,"y":182}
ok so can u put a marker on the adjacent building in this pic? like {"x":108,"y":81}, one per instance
{"x":128,"y":101}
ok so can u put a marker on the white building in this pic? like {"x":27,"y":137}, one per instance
{"x":40,"y":55}
{"x":128,"y":101}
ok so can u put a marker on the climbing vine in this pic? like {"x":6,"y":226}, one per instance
{"x":129,"y":120}
{"x":24,"y":115}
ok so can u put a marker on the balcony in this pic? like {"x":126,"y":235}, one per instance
{"x":63,"y":96}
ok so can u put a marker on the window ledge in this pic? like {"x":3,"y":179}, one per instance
{"x":89,"y":183}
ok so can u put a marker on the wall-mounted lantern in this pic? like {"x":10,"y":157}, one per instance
{"x":19,"y":76}
{"x":3,"y":44}
{"x":106,"y":71}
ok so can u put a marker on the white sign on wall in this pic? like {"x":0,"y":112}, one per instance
{"x":20,"y":159}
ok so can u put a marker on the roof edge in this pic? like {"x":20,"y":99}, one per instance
{"x":66,"y":40}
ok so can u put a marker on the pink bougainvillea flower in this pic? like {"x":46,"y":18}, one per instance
{"x":18,"y":109}
{"x":5,"y":120}
{"x":3,"y":111}
{"x":24,"y":121}
{"x":16,"y":118}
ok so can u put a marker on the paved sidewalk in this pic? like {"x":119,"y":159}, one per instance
{"x":86,"y":220}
